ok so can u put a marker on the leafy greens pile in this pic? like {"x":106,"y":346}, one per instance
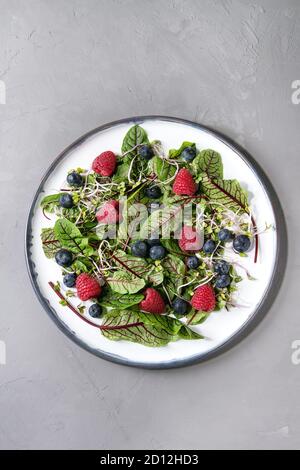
{"x":223,"y":203}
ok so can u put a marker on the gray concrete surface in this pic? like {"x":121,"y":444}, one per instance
{"x":71,"y":65}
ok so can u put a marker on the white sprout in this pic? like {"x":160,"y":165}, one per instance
{"x":130,"y":169}
{"x":243,"y":267}
{"x":79,"y":216}
{"x":167,"y":294}
{"x":212,"y":255}
{"x":96,"y":267}
{"x":103,"y":259}
{"x":86,"y":180}
{"x":186,"y":284}
{"x":132,"y":149}
{"x":206,"y":280}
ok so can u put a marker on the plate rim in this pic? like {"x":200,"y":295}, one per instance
{"x":262,"y":308}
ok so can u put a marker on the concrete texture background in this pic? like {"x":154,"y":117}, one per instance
{"x":71,"y":65}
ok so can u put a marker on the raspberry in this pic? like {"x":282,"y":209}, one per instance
{"x":153,"y":301}
{"x":105,"y":163}
{"x":109,"y":212}
{"x":87,"y":287}
{"x":190,"y":239}
{"x":184,"y":183}
{"x":204,"y":298}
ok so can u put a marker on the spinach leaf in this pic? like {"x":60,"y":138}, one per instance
{"x":50,"y":243}
{"x":226,"y":192}
{"x":174,"y":271}
{"x":195,"y":317}
{"x":174,"y":266}
{"x":187,"y":333}
{"x":169,"y":324}
{"x":82,"y":265}
{"x":121,"y":173}
{"x":162,"y":168}
{"x":124,"y":283}
{"x":155,"y":277}
{"x":117,"y":301}
{"x":50,"y":199}
{"x":170,"y":285}
{"x":133,"y":265}
{"x":49,"y":203}
{"x":147,"y":329}
{"x":128,"y":326}
{"x":163,"y":221}
{"x":136,"y":135}
{"x":210,"y":162}
{"x":174,"y":153}
{"x":71,"y":238}
{"x":171,"y":245}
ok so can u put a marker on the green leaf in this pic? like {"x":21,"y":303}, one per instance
{"x":172,"y":246}
{"x":155,"y":277}
{"x":196,"y":317}
{"x":132,"y":195}
{"x":50,"y":243}
{"x":71,"y":214}
{"x":169,"y":324}
{"x":114,"y":300}
{"x":52,"y":198}
{"x":92,"y":236}
{"x":71,"y":238}
{"x":174,"y":266}
{"x":226,"y":192}
{"x":49,"y":203}
{"x":89,"y":225}
{"x":174,"y":271}
{"x":132,"y":264}
{"x":170,"y":285}
{"x":163,"y":221}
{"x":121,"y":173}
{"x":128,"y":326}
{"x":186,"y":333}
{"x":209,"y":162}
{"x":162,"y":168}
{"x":174,"y":153}
{"x":82,"y":265}
{"x":124,"y":283}
{"x":136,"y":135}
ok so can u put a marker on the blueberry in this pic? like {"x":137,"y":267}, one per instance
{"x":222,"y":281}
{"x":153,"y":240}
{"x":66,"y":201}
{"x":180,"y":306}
{"x":64,"y":258}
{"x":209,"y":246}
{"x":139,"y":249}
{"x":95,"y":310}
{"x":224,"y":235}
{"x":146,"y":152}
{"x":69,"y":279}
{"x":193,"y":262}
{"x":221,"y":267}
{"x":154,"y":192}
{"x":241,"y":243}
{"x":188,"y":154}
{"x":74,"y":179}
{"x":157,"y":252}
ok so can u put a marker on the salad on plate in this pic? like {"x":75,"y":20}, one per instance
{"x":148,"y":240}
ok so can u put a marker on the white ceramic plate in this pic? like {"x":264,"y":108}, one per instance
{"x":222,"y":329}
